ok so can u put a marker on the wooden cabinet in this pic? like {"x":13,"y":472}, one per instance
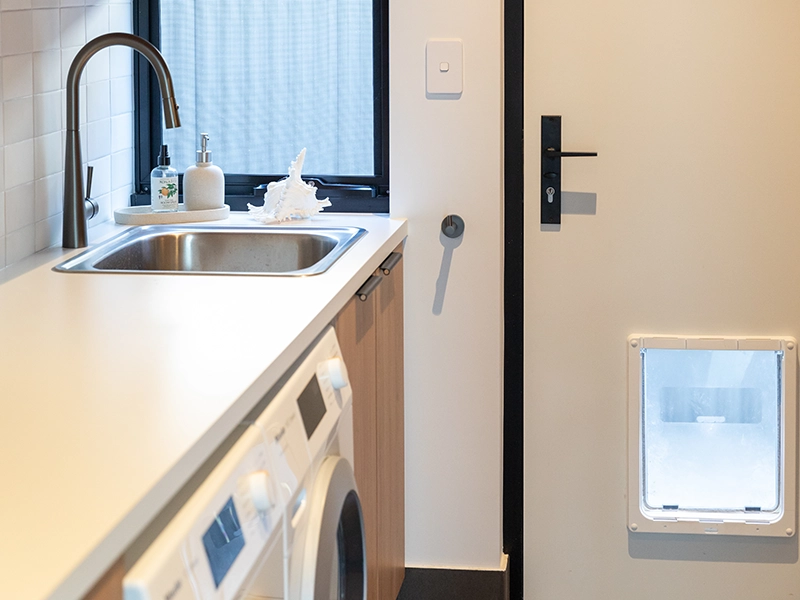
{"x":370,"y":334}
{"x":110,"y":586}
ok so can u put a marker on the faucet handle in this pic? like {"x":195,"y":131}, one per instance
{"x":89,"y":173}
{"x":92,"y":208}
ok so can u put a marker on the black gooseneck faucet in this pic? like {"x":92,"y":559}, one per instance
{"x":74,"y":229}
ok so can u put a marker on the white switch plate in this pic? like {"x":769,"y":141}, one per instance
{"x":444,"y":68}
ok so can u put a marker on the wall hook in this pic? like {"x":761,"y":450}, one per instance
{"x":453,"y":226}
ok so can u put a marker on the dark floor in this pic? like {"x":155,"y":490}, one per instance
{"x":452,"y":584}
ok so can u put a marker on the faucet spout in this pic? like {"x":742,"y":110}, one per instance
{"x":75,"y":229}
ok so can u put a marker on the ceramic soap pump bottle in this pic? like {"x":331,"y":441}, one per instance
{"x":204,"y":183}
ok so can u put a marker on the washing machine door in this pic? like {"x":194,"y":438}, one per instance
{"x":331,"y":564}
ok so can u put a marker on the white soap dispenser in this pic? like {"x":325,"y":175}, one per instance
{"x":204,"y":183}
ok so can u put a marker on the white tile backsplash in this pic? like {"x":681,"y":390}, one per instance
{"x":17,"y":76}
{"x":48,"y":155}
{"x":48,"y":232}
{"x":38,"y":40}
{"x":67,"y":54}
{"x":121,"y":63}
{"x":48,"y":194}
{"x":45,"y":29}
{"x":121,"y":96}
{"x":19,"y":207}
{"x":73,"y":27}
{"x":15,"y":4}
{"x":46,"y":71}
{"x":97,"y":68}
{"x":98,"y":100}
{"x":121,"y":169}
{"x":96,"y":21}
{"x":120,"y":18}
{"x":18,"y":120}
{"x":122,"y":132}
{"x":104,"y":213}
{"x":101,"y":179}
{"x":18,"y":163}
{"x":16,"y":32}
{"x":120,"y":198}
{"x":98,"y":139}
{"x":19,"y":244}
{"x":46,"y":113}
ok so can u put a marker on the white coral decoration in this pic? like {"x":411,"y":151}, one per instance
{"x":290,"y":198}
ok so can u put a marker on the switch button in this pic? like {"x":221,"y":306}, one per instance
{"x":444,"y":68}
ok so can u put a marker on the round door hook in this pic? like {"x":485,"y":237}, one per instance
{"x":453,"y":226}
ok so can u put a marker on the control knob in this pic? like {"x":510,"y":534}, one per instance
{"x":337,"y":373}
{"x":258,"y":485}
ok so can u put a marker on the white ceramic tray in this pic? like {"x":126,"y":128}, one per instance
{"x":143,"y":215}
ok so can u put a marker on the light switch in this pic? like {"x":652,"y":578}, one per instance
{"x":444,"y":68}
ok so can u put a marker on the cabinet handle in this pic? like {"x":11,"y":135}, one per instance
{"x":390,"y":262}
{"x":369,"y":286}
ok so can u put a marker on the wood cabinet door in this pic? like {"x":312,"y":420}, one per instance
{"x":390,"y":422}
{"x":355,"y":328}
{"x":110,"y":585}
{"x":371,"y":338}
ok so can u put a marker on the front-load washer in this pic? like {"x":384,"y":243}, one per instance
{"x":279,"y":515}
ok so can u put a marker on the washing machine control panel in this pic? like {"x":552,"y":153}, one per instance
{"x":210,"y":549}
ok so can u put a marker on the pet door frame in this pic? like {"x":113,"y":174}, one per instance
{"x":779,"y":522}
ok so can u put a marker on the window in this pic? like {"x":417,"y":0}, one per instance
{"x":265,"y":80}
{"x":711,"y":435}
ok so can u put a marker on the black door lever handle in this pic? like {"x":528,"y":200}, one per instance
{"x":551,"y":169}
{"x":553,"y":153}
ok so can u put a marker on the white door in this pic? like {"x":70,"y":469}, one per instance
{"x":694,"y":109}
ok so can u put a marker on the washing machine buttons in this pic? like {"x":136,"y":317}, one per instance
{"x":337,"y":373}
{"x":258,"y":484}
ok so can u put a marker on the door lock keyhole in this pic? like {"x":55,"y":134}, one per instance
{"x":551,"y":191}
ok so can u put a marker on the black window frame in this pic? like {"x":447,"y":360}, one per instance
{"x":347,"y":193}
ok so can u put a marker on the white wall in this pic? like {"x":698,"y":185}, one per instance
{"x":38,"y":39}
{"x":446,"y":157}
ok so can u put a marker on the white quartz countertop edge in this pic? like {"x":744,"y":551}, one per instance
{"x":92,"y":555}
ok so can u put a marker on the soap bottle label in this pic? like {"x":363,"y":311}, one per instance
{"x":164,"y":193}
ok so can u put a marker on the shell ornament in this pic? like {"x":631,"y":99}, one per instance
{"x":290,"y":198}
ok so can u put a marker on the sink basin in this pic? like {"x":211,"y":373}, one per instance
{"x":222,"y":250}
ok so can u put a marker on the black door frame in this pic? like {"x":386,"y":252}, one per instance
{"x":513,"y":399}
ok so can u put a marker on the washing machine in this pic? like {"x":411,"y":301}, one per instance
{"x":279,"y":515}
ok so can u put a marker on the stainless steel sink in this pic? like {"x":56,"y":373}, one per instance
{"x":193,"y":249}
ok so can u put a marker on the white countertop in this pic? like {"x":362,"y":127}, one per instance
{"x":116,"y":388}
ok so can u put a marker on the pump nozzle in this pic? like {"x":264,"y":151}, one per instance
{"x":204,"y":154}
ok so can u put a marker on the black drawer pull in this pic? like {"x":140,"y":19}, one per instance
{"x":390,"y":262}
{"x":369,"y":286}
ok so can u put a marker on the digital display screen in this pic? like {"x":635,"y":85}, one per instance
{"x":223,"y":541}
{"x":312,"y":406}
